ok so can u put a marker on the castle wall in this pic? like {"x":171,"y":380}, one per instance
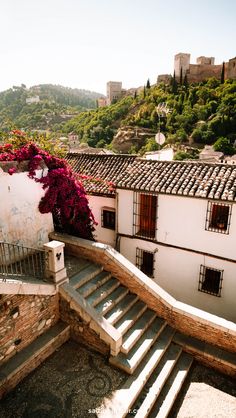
{"x":199,"y":72}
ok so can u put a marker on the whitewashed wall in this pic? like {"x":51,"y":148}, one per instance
{"x":20,"y":220}
{"x":181,"y":222}
{"x":177,"y":272}
{"x":96,"y":203}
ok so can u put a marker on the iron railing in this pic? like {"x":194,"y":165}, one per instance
{"x":17,"y":261}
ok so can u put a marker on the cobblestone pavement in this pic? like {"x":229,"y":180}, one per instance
{"x":74,"y":380}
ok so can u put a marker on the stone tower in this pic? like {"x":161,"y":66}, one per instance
{"x":181,"y":61}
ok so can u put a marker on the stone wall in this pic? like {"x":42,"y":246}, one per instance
{"x":23,"y":319}
{"x":80,"y":330}
{"x":185,"y":318}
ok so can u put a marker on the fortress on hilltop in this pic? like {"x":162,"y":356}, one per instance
{"x":204,"y":68}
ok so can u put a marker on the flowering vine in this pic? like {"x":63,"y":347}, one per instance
{"x":64,"y":197}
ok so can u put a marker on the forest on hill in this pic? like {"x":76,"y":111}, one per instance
{"x":203,"y":113}
{"x":56,"y":105}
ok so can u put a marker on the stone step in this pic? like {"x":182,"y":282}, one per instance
{"x":87,"y":288}
{"x":129,"y":362}
{"x":99,"y":294}
{"x":172,"y":387}
{"x":137,"y":330}
{"x":111,"y":300}
{"x":26,"y":360}
{"x":122,"y":399}
{"x":121,"y":308}
{"x":85,"y":275}
{"x":155,"y":383}
{"x":130,"y":317}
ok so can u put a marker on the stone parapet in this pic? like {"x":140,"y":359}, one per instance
{"x":184,"y":318}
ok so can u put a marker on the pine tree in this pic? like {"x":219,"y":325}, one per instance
{"x":186,"y":81}
{"x":222,"y":77}
{"x":181,"y":76}
{"x":148,"y":84}
{"x":135,"y":94}
{"x":174,"y":84}
{"x":144,"y":91}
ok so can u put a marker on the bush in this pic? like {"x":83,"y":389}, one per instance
{"x":223,"y":145}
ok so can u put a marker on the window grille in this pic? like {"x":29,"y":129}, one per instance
{"x":145,"y":215}
{"x":210,"y":281}
{"x":218,"y":217}
{"x":108,"y":218}
{"x":145,"y":261}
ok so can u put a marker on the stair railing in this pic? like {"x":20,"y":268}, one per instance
{"x":18,"y":261}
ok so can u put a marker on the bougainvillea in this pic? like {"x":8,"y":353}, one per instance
{"x":64,"y":197}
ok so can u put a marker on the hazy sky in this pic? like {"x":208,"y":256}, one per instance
{"x":85,"y":43}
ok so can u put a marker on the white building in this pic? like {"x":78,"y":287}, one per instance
{"x":176,"y":221}
{"x":31,"y":100}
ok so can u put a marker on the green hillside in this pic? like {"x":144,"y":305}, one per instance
{"x":56,"y":105}
{"x":200,"y":114}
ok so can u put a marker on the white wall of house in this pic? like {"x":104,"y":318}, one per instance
{"x":20,"y":220}
{"x":178,"y":271}
{"x":181,"y":223}
{"x":97,"y":203}
{"x":125,"y":212}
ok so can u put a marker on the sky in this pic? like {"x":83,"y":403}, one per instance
{"x":85,"y":43}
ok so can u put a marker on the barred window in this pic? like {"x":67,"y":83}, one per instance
{"x":210,"y":280}
{"x":145,"y":261}
{"x":218,"y":217}
{"x":108,"y":218}
{"x":145,"y":215}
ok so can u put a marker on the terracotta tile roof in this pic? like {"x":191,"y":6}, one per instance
{"x":193,"y":179}
{"x":186,"y":178}
{"x":103,"y":170}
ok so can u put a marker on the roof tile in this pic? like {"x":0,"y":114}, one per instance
{"x":187,"y":178}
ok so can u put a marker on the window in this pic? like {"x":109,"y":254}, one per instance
{"x":218,"y":217}
{"x":145,"y":261}
{"x":210,"y":280}
{"x":145,"y":212}
{"x":108,"y":218}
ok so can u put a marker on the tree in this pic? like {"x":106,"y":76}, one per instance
{"x":174,"y":84}
{"x":186,"y":81}
{"x":222,"y":77}
{"x":148,"y":85}
{"x":181,"y":76}
{"x":223,"y":145}
{"x":144,"y":91}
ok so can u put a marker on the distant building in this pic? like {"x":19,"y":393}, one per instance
{"x":102,"y":102}
{"x":165,"y":154}
{"x":204,"y":68}
{"x":74,"y":141}
{"x":114,"y":91}
{"x":31,"y":100}
{"x":209,"y":155}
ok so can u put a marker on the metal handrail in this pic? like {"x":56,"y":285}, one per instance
{"x":18,"y":261}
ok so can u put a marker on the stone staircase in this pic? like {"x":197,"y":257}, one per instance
{"x":157,"y":366}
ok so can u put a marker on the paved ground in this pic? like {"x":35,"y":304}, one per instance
{"x":74,"y":380}
{"x":206,"y":394}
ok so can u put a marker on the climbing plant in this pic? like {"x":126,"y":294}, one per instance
{"x":64,"y":197}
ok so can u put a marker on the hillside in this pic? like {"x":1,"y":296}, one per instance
{"x":56,"y":105}
{"x":199,"y":114}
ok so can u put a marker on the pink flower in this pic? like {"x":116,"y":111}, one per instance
{"x":12,"y":171}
